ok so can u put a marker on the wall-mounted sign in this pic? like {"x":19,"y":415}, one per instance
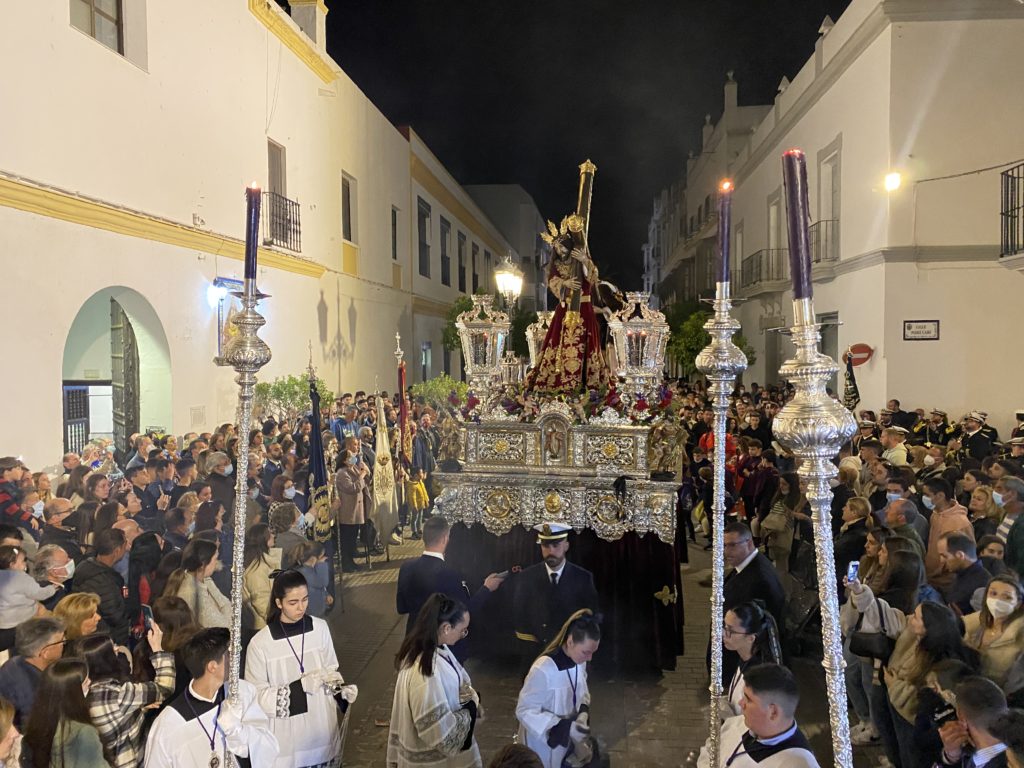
{"x":859,"y":353}
{"x":920,"y":330}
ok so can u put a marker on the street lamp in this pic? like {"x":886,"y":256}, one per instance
{"x":509,"y":279}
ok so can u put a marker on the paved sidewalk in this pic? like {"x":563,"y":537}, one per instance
{"x":643,"y":720}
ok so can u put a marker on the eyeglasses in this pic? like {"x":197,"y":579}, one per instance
{"x":730,"y":632}
{"x":62,"y":641}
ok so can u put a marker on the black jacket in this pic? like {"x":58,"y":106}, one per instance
{"x":223,"y":489}
{"x":66,"y":539}
{"x":758,"y":581}
{"x":540,"y":609}
{"x":967,"y":582}
{"x":94,"y":576}
{"x":420,"y":578}
{"x":849,"y":547}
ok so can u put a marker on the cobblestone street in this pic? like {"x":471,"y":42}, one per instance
{"x":643,"y":720}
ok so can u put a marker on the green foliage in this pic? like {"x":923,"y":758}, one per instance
{"x":689,"y":338}
{"x":288,"y":396}
{"x":435,"y":391}
{"x":517,"y":332}
{"x":450,"y":334}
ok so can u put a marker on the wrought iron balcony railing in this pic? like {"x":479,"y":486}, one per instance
{"x":824,"y":240}
{"x":281,"y":222}
{"x":1011,"y":215}
{"x":766,"y":265}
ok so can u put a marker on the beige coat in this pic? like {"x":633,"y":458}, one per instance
{"x":209,"y":606}
{"x":953,"y":519}
{"x":350,"y":486}
{"x":1001,"y":660}
{"x":256,"y":585}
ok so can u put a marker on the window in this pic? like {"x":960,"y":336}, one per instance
{"x":462,"y":262}
{"x":447,"y":361}
{"x":423,"y":228}
{"x":100,"y":19}
{"x":394,"y":233}
{"x":426,"y":363}
{"x":476,"y":277}
{"x":446,"y":247}
{"x":488,"y":277}
{"x":276,"y":169}
{"x":349,"y":209}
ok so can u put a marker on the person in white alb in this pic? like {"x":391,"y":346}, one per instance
{"x":292,"y":663}
{"x":766,"y":734}
{"x":197,"y":727}
{"x":554,"y":703}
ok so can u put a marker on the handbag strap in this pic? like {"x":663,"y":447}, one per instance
{"x":881,"y":615}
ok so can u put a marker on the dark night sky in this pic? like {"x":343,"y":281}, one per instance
{"x":518,"y":91}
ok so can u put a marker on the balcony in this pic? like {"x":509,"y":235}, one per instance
{"x":765,"y":271}
{"x":824,"y":237}
{"x":281,"y":222}
{"x":1011,"y":215}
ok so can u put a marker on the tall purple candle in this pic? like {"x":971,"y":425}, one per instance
{"x":724,"y":226}
{"x":253,"y":196}
{"x":794,"y":179}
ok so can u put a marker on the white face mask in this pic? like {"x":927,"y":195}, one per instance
{"x":929,"y":460}
{"x":37,"y":509}
{"x":289,"y":493}
{"x":1000,"y":608}
{"x":69,"y":568}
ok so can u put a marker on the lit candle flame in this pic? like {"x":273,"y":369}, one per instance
{"x":726,"y":186}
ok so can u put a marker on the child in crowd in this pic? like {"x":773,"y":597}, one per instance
{"x":312,"y":563}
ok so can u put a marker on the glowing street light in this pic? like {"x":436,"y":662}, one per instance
{"x":892,"y":181}
{"x":509,"y":280}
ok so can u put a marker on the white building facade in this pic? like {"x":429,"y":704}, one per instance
{"x":127,"y":145}
{"x":907,"y":116}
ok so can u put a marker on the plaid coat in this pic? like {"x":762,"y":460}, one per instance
{"x":118,"y":710}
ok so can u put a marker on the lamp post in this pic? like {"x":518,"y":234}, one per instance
{"x":509,"y":280}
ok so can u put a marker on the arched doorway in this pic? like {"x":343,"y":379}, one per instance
{"x":116,"y":370}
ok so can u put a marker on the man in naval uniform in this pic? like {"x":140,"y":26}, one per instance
{"x":549,"y":592}
{"x":975,"y":442}
{"x":935,"y":431}
{"x":766,"y":734}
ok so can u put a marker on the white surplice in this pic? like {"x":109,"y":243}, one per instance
{"x":555,"y":689}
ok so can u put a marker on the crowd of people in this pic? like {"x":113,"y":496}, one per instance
{"x":115,"y":595}
{"x":928,"y":552}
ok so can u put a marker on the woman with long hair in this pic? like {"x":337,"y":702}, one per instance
{"x":116,"y":704}
{"x":85,"y":521}
{"x":925,"y":636}
{"x":997,"y":632}
{"x":107,"y":514}
{"x":143,"y":561}
{"x":282,"y":491}
{"x":73,"y":489}
{"x":749,"y":630}
{"x":554,"y":704}
{"x":43,"y":485}
{"x":292,"y":663}
{"x":60,"y":732}
{"x":178,"y":625}
{"x":10,"y":739}
{"x":985,"y":514}
{"x":780,"y":524}
{"x":192,"y":583}
{"x":261,"y":558}
{"x":210,"y":518}
{"x":80,"y":613}
{"x":97,"y":488}
{"x":169,"y":563}
{"x":435,"y":706}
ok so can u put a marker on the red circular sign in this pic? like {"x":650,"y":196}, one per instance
{"x":860,"y":353}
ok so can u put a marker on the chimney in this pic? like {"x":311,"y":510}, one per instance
{"x":706,"y":131}
{"x":731,"y":92}
{"x":311,"y":16}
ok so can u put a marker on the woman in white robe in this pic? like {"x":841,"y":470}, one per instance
{"x":554,"y":703}
{"x":435,"y":708}
{"x":749,"y":630}
{"x":292,"y":663}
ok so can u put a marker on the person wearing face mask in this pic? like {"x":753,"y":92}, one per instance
{"x":934,"y":463}
{"x":221,"y":478}
{"x":52,"y":566}
{"x":997,"y":631}
{"x":20,"y":595}
{"x":946,"y":517}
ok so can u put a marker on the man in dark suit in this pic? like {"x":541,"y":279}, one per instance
{"x":549,"y":592}
{"x":420,"y":578}
{"x":753,"y":578}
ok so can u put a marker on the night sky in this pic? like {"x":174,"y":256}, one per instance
{"x":516,"y":91}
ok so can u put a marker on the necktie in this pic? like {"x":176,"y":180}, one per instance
{"x":554,"y":579}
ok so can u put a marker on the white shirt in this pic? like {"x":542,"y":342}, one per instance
{"x":559,"y":571}
{"x":982,"y":756}
{"x":438,"y":555}
{"x":748,"y":561}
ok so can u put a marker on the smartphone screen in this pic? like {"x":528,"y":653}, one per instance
{"x":147,"y":616}
{"x":852,"y":570}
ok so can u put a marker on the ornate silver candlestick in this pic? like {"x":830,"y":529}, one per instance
{"x":721,"y":361}
{"x":247,"y":353}
{"x":814,"y":426}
